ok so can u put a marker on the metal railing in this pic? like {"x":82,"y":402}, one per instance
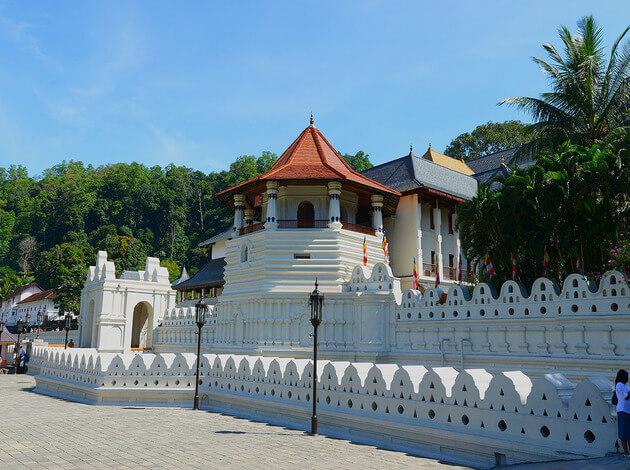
{"x":251,"y":228}
{"x":287,"y":223}
{"x":358,"y":228}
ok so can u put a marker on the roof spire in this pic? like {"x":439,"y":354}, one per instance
{"x":410,"y":149}
{"x":312,"y":123}
{"x":429,"y":144}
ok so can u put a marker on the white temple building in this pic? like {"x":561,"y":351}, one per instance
{"x":458,"y":372}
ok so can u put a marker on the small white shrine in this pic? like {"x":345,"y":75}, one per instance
{"x":121,"y":313}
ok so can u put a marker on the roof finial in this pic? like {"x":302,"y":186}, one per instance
{"x":410,"y":149}
{"x":429,"y":144}
{"x":312,"y":123}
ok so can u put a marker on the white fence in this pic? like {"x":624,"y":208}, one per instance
{"x":460,"y":415}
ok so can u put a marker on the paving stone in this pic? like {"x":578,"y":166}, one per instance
{"x":46,"y":433}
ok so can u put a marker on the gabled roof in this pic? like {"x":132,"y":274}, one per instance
{"x":410,"y":173}
{"x":210,"y":275}
{"x":22,"y":289}
{"x":44,"y":295}
{"x":447,"y":162}
{"x":311,"y":157}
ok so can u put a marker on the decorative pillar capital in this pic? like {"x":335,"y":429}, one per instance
{"x":334,"y":187}
{"x":239,"y":200}
{"x":377,"y":200}
{"x":272,"y":186}
{"x":377,"y":215}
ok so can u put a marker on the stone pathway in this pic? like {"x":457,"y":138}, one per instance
{"x":39,"y":432}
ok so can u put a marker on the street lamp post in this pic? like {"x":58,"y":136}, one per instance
{"x":200,"y":313}
{"x":20,"y":329}
{"x":67,"y":324}
{"x":316,"y":302}
{"x":40,"y":317}
{"x":1,"y":331}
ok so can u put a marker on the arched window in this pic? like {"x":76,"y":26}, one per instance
{"x":305,"y":215}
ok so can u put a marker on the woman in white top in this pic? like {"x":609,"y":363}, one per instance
{"x":621,"y":399}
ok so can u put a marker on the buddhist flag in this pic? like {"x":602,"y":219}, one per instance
{"x":514,"y":269}
{"x":385,"y":247}
{"x":415,"y":275}
{"x":364,"y":251}
{"x":490,"y":272}
{"x":545,"y":262}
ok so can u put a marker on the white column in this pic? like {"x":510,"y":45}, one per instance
{"x":239,"y":206}
{"x":438,"y":231}
{"x":377,"y":212}
{"x":419,"y":260}
{"x":334,"y":207}
{"x":272,"y":200}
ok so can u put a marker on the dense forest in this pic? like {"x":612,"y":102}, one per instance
{"x":51,"y":226}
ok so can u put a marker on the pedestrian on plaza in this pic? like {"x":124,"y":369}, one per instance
{"x":71,"y":343}
{"x":23,"y":355}
{"x":621,"y":400}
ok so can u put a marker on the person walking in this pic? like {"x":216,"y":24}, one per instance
{"x":621,"y":400}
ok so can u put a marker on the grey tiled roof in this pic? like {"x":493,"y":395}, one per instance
{"x":412,"y":172}
{"x":210,"y":275}
{"x":490,"y":166}
{"x":218,"y":237}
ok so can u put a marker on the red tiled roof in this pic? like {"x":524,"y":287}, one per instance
{"x":312,"y":157}
{"x":44,"y":295}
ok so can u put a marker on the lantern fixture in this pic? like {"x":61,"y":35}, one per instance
{"x":201,"y":308}
{"x":316,"y":302}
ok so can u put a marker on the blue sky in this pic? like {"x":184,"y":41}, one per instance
{"x":200,"y":83}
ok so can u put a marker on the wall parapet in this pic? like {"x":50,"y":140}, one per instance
{"x":510,"y":412}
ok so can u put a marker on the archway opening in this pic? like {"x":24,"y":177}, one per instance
{"x":140,"y":330}
{"x":306,"y":215}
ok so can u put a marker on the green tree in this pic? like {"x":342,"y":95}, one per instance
{"x":173,"y":269}
{"x":64,"y":268}
{"x":488,"y":138}
{"x":10,"y":280}
{"x":574,"y":201}
{"x":128,"y":253}
{"x":360,"y":161}
{"x":590,"y":96}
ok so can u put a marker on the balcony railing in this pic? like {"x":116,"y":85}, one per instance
{"x":358,"y":228}
{"x":251,"y":228}
{"x":286,"y":223}
{"x":429,"y":269}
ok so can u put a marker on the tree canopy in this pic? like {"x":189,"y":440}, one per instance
{"x":52,"y":226}
{"x":589,"y":94}
{"x":488,"y":138}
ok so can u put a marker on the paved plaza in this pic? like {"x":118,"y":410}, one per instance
{"x":40,"y":432}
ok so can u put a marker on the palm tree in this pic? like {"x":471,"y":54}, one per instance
{"x":590,"y":99}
